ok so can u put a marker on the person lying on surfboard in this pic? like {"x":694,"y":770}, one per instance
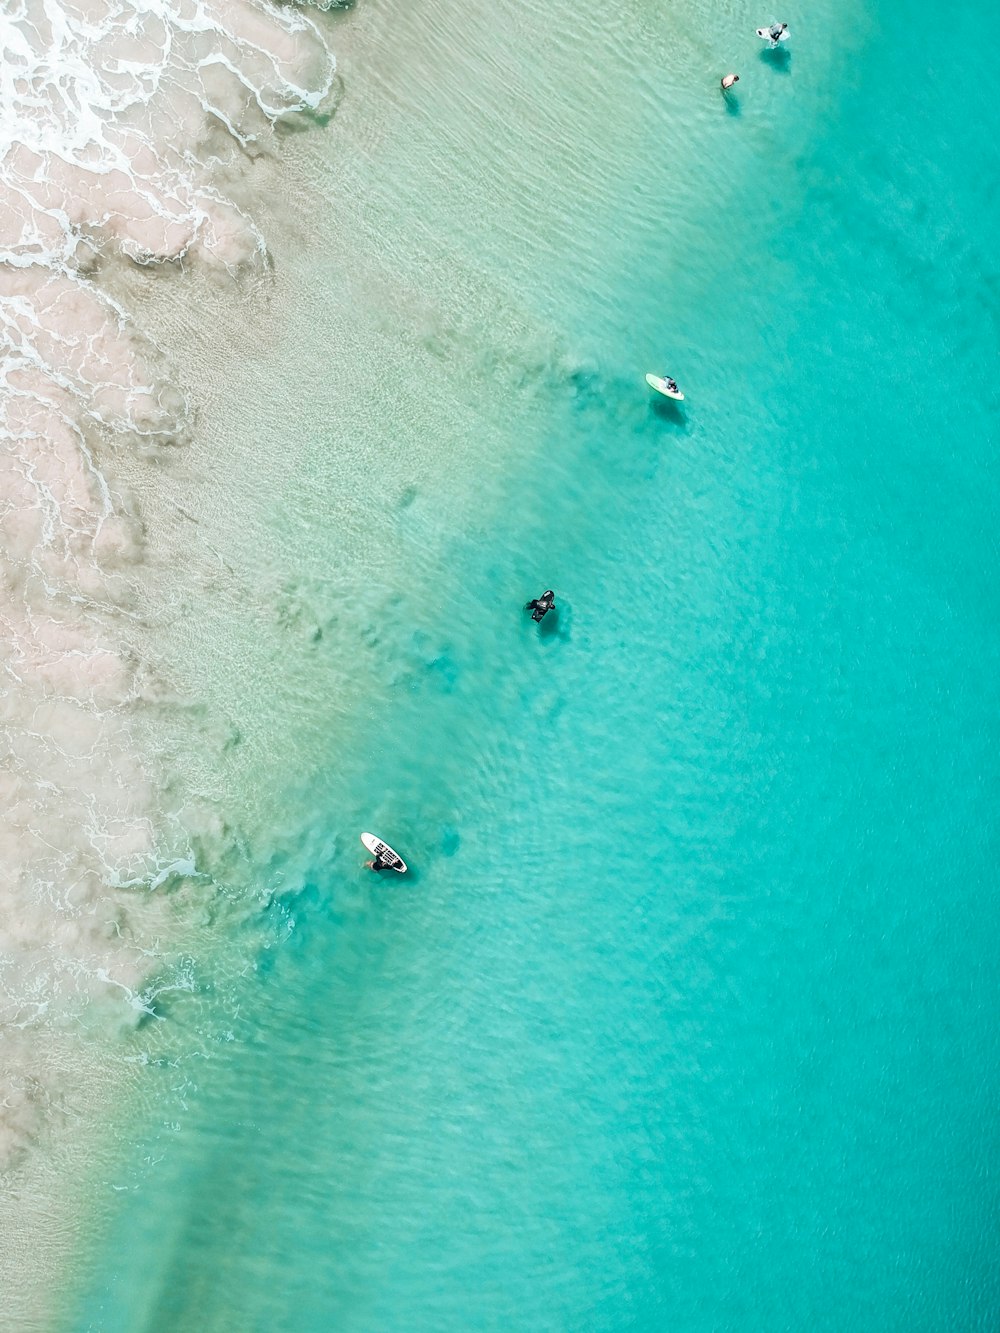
{"x":540,"y":606}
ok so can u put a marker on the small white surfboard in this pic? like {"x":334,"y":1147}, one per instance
{"x":380,"y":849}
{"x":765,"y":35}
{"x":660,"y":385}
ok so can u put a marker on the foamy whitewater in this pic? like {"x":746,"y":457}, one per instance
{"x":124,"y":129}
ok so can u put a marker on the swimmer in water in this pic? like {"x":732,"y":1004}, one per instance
{"x":728,"y":80}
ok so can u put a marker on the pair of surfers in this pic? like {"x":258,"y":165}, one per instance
{"x":386,"y":859}
{"x":775,"y":33}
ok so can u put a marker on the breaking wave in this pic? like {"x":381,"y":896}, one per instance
{"x":124,"y":128}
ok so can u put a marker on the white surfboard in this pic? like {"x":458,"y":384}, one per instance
{"x":380,"y":849}
{"x":765,"y":35}
{"x":660,"y":385}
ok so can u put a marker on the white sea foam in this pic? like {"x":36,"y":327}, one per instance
{"x":123,"y":125}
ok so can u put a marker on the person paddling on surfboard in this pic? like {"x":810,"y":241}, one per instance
{"x":541,"y":606}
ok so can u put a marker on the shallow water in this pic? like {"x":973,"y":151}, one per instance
{"x":685,"y":1016}
{"x":123,"y":133}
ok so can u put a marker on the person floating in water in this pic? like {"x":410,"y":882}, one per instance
{"x":777,"y":32}
{"x":728,"y":80}
{"x":541,"y":606}
{"x":384,"y":861}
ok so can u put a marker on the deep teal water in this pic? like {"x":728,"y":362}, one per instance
{"x":686,"y":1017}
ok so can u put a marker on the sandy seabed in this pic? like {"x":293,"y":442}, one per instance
{"x":128,"y":131}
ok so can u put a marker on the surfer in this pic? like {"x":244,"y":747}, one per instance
{"x":540,"y":606}
{"x":383,"y":861}
{"x":777,"y":32}
{"x":383,"y":857}
{"x":728,"y":80}
{"x":671,"y":385}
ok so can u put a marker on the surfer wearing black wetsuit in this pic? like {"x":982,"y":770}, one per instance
{"x":540,"y":606}
{"x":383,"y":862}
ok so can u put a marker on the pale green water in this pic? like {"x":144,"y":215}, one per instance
{"x":686,"y":1017}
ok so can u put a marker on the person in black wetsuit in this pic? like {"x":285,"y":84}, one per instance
{"x":383,"y":862}
{"x":540,"y":606}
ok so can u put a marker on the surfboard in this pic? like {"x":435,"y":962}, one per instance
{"x":378,"y":848}
{"x":765,"y":34}
{"x":660,"y":385}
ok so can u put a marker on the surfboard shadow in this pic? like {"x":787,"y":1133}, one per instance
{"x":669,"y":411}
{"x":779,"y":58}
{"x":554,"y":627}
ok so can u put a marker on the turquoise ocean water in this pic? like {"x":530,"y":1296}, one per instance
{"x":686,"y":1017}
